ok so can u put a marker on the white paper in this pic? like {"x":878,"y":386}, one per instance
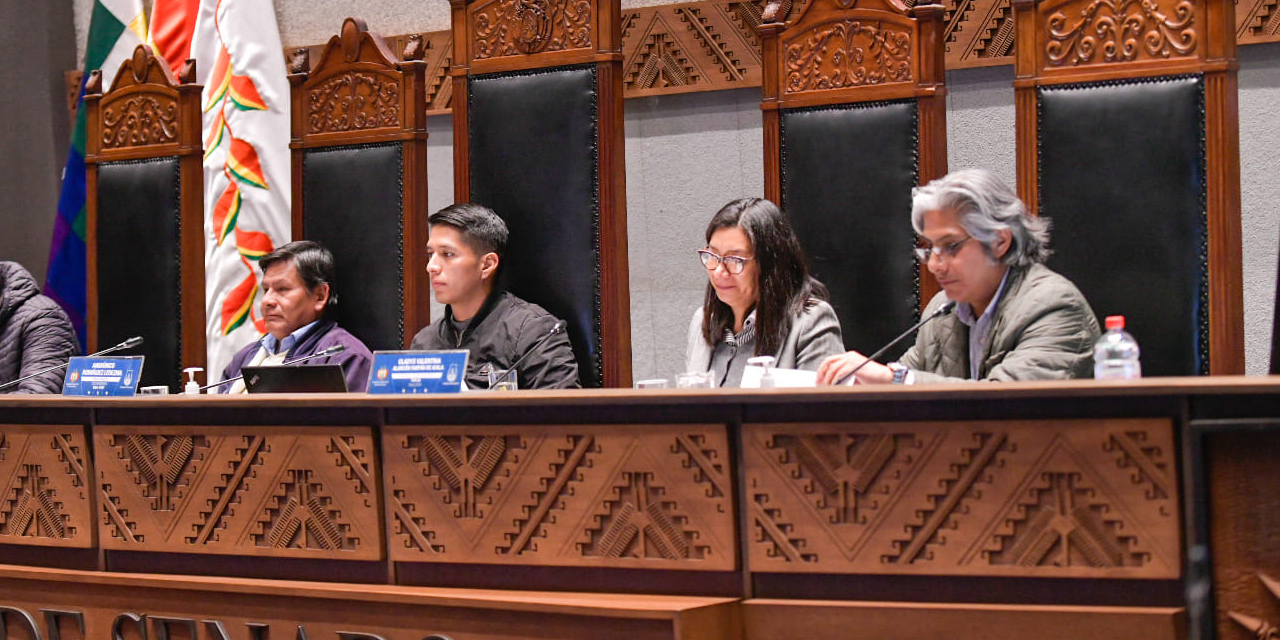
{"x":781,"y":377}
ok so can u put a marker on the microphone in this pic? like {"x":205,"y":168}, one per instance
{"x":947,"y":307}
{"x":127,"y":344}
{"x":556,"y":328}
{"x":337,"y":348}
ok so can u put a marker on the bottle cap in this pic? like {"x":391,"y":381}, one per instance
{"x":1114,"y":322}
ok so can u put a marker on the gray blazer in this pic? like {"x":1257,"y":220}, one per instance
{"x":1043,"y":329}
{"x":815,"y":334}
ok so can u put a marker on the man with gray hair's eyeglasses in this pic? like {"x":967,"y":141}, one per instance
{"x":1014,"y":318}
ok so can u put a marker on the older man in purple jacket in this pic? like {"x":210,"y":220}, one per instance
{"x":297,"y":287}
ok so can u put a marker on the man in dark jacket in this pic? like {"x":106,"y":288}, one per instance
{"x":465,"y":253}
{"x":35,"y":334}
{"x":297,"y":288}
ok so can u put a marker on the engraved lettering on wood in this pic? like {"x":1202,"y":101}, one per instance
{"x":139,"y":120}
{"x":1107,"y":31}
{"x":353,"y":101}
{"x":517,"y":27}
{"x":848,"y":53}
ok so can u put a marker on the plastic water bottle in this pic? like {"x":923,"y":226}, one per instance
{"x":1115,"y":355}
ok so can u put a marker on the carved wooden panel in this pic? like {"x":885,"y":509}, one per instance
{"x":505,"y":28}
{"x":1100,"y":32}
{"x":693,"y":46}
{"x":1244,"y":494}
{"x":248,"y":491}
{"x":978,"y":32}
{"x":1257,"y":21}
{"x":849,"y":52}
{"x":352,"y":101}
{"x":651,"y":496}
{"x":45,"y":486}
{"x":438,"y":56}
{"x":1025,"y":498}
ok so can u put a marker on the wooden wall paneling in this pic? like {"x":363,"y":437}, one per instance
{"x":591,"y":496}
{"x":149,"y":113}
{"x":359,"y":91}
{"x":249,"y":491}
{"x":1239,"y":486}
{"x":1062,"y":499}
{"x":46,"y":480}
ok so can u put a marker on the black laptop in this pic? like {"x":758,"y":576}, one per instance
{"x":295,"y":378}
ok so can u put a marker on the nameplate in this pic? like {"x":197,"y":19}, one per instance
{"x":102,"y":376}
{"x":418,"y":371}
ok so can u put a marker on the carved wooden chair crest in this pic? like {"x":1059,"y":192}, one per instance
{"x":854,"y":118}
{"x":1128,"y":140}
{"x":360,"y":180}
{"x":145,"y":221}
{"x":538,"y":137}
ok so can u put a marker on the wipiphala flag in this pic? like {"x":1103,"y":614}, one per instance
{"x":116,"y":28}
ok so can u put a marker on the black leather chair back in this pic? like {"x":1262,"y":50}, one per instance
{"x":533,"y":161}
{"x":139,"y":276}
{"x":847,"y":174}
{"x":352,"y":199}
{"x":1122,"y":176}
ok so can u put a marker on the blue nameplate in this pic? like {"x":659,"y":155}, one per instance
{"x":418,"y":371}
{"x":102,"y":376}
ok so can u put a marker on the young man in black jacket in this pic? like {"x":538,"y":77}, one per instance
{"x":464,"y":257}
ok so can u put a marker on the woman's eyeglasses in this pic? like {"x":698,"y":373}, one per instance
{"x":732,"y":264}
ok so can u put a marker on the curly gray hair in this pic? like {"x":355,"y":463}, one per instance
{"x":986,"y":205}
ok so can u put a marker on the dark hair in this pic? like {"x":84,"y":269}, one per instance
{"x":786,"y":288}
{"x":481,"y":228}
{"x":313,"y":262}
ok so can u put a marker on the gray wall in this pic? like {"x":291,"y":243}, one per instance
{"x":687,"y":155}
{"x":36,"y":127}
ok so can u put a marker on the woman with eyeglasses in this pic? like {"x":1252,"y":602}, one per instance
{"x":760,"y":297}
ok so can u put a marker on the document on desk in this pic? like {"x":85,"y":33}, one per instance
{"x":781,"y":377}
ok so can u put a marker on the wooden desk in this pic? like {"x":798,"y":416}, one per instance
{"x":1059,"y":510}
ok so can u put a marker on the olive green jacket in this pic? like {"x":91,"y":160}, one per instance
{"x":1043,"y":329}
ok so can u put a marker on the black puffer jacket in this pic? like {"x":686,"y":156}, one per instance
{"x":35,"y":333}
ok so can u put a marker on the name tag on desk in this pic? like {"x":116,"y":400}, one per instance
{"x":102,"y":376}
{"x":418,"y":371}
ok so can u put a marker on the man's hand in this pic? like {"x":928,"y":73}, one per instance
{"x":838,"y":366}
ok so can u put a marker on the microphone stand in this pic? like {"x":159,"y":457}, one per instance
{"x":127,"y":344}
{"x":337,"y":348}
{"x":947,"y":307}
{"x":556,"y":328}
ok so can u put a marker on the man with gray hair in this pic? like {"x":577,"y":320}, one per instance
{"x":1014,"y":318}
